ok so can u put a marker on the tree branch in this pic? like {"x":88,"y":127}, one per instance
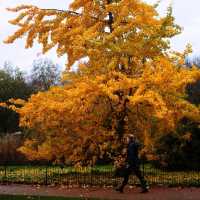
{"x":72,"y":13}
{"x":110,"y":20}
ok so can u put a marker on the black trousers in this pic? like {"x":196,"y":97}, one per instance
{"x":137,"y":172}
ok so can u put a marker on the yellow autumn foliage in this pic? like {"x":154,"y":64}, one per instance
{"x":132,"y":80}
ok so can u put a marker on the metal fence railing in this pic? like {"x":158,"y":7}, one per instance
{"x":94,"y":176}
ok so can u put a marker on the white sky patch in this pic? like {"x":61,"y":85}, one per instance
{"x":77,"y":63}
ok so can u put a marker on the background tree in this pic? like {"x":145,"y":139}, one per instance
{"x":44,"y":74}
{"x":193,"y":90}
{"x":120,"y":89}
{"x":195,"y":61}
{"x":12,"y":85}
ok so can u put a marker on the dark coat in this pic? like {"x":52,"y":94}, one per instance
{"x":132,"y":153}
{"x":132,"y":160}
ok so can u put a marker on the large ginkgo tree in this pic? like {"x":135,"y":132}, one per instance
{"x":128,"y":79}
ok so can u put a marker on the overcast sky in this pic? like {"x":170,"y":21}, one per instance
{"x":187,"y":14}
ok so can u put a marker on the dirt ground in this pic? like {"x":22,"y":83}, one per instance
{"x":155,"y":193}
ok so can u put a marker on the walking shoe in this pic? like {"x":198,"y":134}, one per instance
{"x":145,"y":190}
{"x":119,"y":190}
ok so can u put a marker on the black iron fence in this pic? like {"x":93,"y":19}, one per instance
{"x":100,"y":175}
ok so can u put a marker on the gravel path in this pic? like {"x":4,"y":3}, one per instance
{"x":156,"y":193}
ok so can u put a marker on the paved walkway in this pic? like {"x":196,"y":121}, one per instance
{"x":156,"y":193}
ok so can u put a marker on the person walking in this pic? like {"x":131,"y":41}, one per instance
{"x":132,"y":165}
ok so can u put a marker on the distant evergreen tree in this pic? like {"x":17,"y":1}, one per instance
{"x":12,"y":85}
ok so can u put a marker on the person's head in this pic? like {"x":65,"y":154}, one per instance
{"x":130,"y":138}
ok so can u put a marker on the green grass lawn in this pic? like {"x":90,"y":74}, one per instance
{"x":99,"y":175}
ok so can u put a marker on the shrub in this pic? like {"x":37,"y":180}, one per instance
{"x":180,"y":149}
{"x":9,"y":144}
